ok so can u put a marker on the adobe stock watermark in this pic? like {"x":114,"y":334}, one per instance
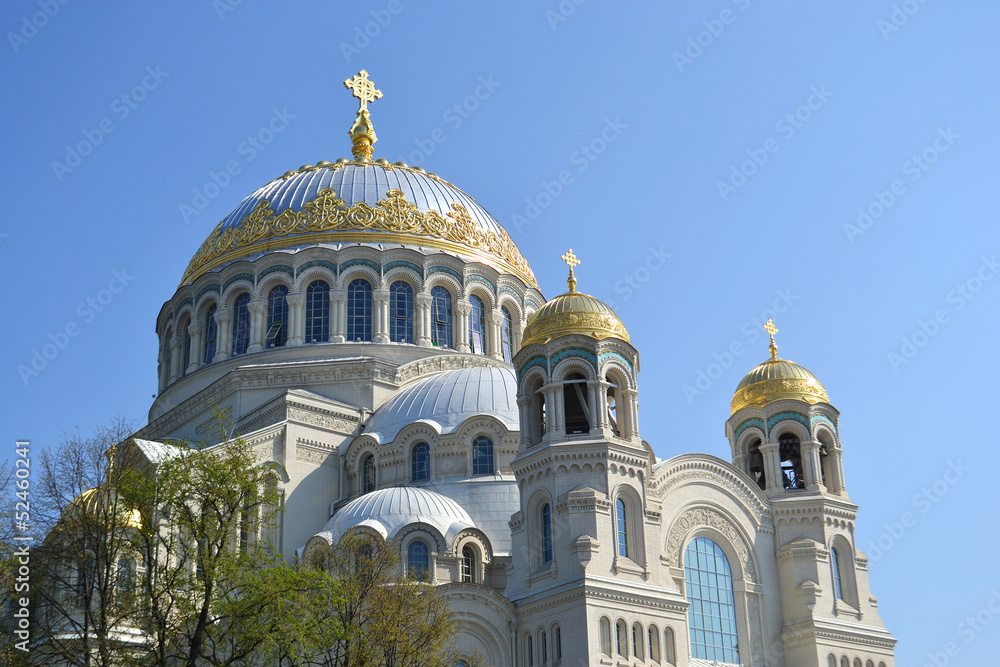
{"x":956,"y":299}
{"x":121,"y":107}
{"x":923,"y":501}
{"x":581,"y":159}
{"x":633,"y":281}
{"x":752,"y":329}
{"x":786,"y":126}
{"x":87,"y":312}
{"x":705,"y":38}
{"x":21,"y":556}
{"x":363,"y":35}
{"x":913,"y":169}
{"x":453,"y":116}
{"x":562,"y":12}
{"x":971,"y":627}
{"x":223,"y":7}
{"x":901,"y":13}
{"x":248,"y":149}
{"x":30,"y":25}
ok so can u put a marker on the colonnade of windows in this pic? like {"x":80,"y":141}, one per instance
{"x":846,"y":662}
{"x":637,"y":642}
{"x":483,"y":463}
{"x":544,"y":647}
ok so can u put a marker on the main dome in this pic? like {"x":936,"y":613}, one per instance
{"x":774,"y":380}
{"x":359,"y":201}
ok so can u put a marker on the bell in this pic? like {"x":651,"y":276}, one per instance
{"x":756,"y":461}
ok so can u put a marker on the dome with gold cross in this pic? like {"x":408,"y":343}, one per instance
{"x":360,"y":200}
{"x":573,"y":313}
{"x":777,"y":379}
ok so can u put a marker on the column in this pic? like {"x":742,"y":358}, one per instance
{"x":296,"y":318}
{"x":223,"y":332}
{"x":837,"y":471}
{"x":164,"y":370}
{"x":496,"y":319}
{"x":598,"y":392}
{"x":257,"y":308}
{"x":555,"y":411}
{"x":527,"y":428}
{"x":380,"y":313}
{"x":422,"y":320}
{"x":338,"y":315}
{"x":810,"y":464}
{"x":194,"y":329}
{"x":772,"y":467}
{"x":175,"y":357}
{"x":629,"y":414}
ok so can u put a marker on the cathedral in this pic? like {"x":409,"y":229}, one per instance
{"x":374,"y":330}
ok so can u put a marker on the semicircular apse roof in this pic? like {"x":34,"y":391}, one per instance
{"x":447,"y":399}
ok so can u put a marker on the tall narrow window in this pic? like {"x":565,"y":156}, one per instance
{"x":507,"y":335}
{"x":477,"y":325}
{"x":622,"y":528}
{"x":557,"y":642}
{"x":401,"y":312}
{"x":211,"y":332}
{"x":318,"y":312}
{"x":359,"y":311}
{"x":614,"y":406}
{"x":637,"y":647}
{"x":421,"y":462}
{"x":712,"y":614}
{"x":755,"y":464}
{"x":241,"y":324}
{"x":605,"y":636}
{"x":277,"y":317}
{"x":543,"y":645}
{"x":621,"y":638}
{"x":124,"y":579}
{"x":653,"y":637}
{"x":575,"y":402}
{"x":546,"y":533}
{"x":468,"y":564}
{"x":368,"y":474}
{"x":440,"y":317}
{"x":482,"y":456}
{"x":838,"y":588}
{"x":186,"y":359}
{"x":529,"y":651}
{"x":670,"y":646}
{"x":418,"y":561}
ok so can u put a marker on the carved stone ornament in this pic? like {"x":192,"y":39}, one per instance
{"x":695,"y":518}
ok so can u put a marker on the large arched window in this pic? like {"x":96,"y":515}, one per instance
{"x":318,"y":312}
{"x":621,"y":527}
{"x":418,"y":562}
{"x":211,"y":333}
{"x":420,"y":463}
{"x":368,"y":474}
{"x":359,"y":311}
{"x":712,"y":614}
{"x":401,"y":312}
{"x":546,"y":526}
{"x":477,"y":325}
{"x":575,"y":402}
{"x":482,"y":456}
{"x":838,"y":588}
{"x":241,"y":324}
{"x":277,"y":317}
{"x":507,"y":335}
{"x":468,"y":564}
{"x":440,"y":317}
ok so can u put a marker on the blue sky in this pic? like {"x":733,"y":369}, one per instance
{"x":831,"y":165}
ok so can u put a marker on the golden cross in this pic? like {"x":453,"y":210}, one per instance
{"x":771,"y":329}
{"x":362,"y":88}
{"x":571,"y":259}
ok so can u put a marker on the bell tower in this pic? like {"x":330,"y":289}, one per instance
{"x":785,"y":435}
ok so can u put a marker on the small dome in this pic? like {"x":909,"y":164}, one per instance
{"x":774,"y":380}
{"x":97,"y":503}
{"x":447,"y":399}
{"x":573,"y":313}
{"x":388,"y":510}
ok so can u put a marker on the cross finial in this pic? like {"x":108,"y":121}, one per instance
{"x":771,"y":329}
{"x":362,"y":133}
{"x":572,"y":261}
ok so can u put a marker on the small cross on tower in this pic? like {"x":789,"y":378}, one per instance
{"x":771,"y":329}
{"x":572,"y":261}
{"x":362,"y":88}
{"x":362,"y":133}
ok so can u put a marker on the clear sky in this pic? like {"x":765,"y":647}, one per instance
{"x":831,"y":165}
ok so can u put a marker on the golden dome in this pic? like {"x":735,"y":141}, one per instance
{"x":95,"y":503}
{"x":573,"y":313}
{"x":774,"y":380}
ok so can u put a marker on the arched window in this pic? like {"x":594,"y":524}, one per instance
{"x":507,"y":335}
{"x":359,"y":311}
{"x":368,"y":474}
{"x":186,"y":359}
{"x":211,"y":333}
{"x":845,"y":661}
{"x":543,"y":646}
{"x":831,"y":660}
{"x":536,"y":412}
{"x":755,"y":464}
{"x":614,"y":400}
{"x":653,"y":635}
{"x":575,"y":401}
{"x":857,"y":662}
{"x":468,"y":564}
{"x":318,"y":312}
{"x":557,"y":642}
{"x":418,"y":561}
{"x":401,"y":312}
{"x":477,"y":325}
{"x":838,"y":588}
{"x":605,"y":636}
{"x":277,"y":317}
{"x":712,"y":614}
{"x":670,"y":646}
{"x":621,"y":526}
{"x":482,"y":456}
{"x":638,"y":651}
{"x":420,"y":461}
{"x":546,"y":535}
{"x":621,"y":638}
{"x":869,"y":663}
{"x":241,"y":324}
{"x":529,"y":650}
{"x":440,"y":317}
{"x":791,"y":462}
